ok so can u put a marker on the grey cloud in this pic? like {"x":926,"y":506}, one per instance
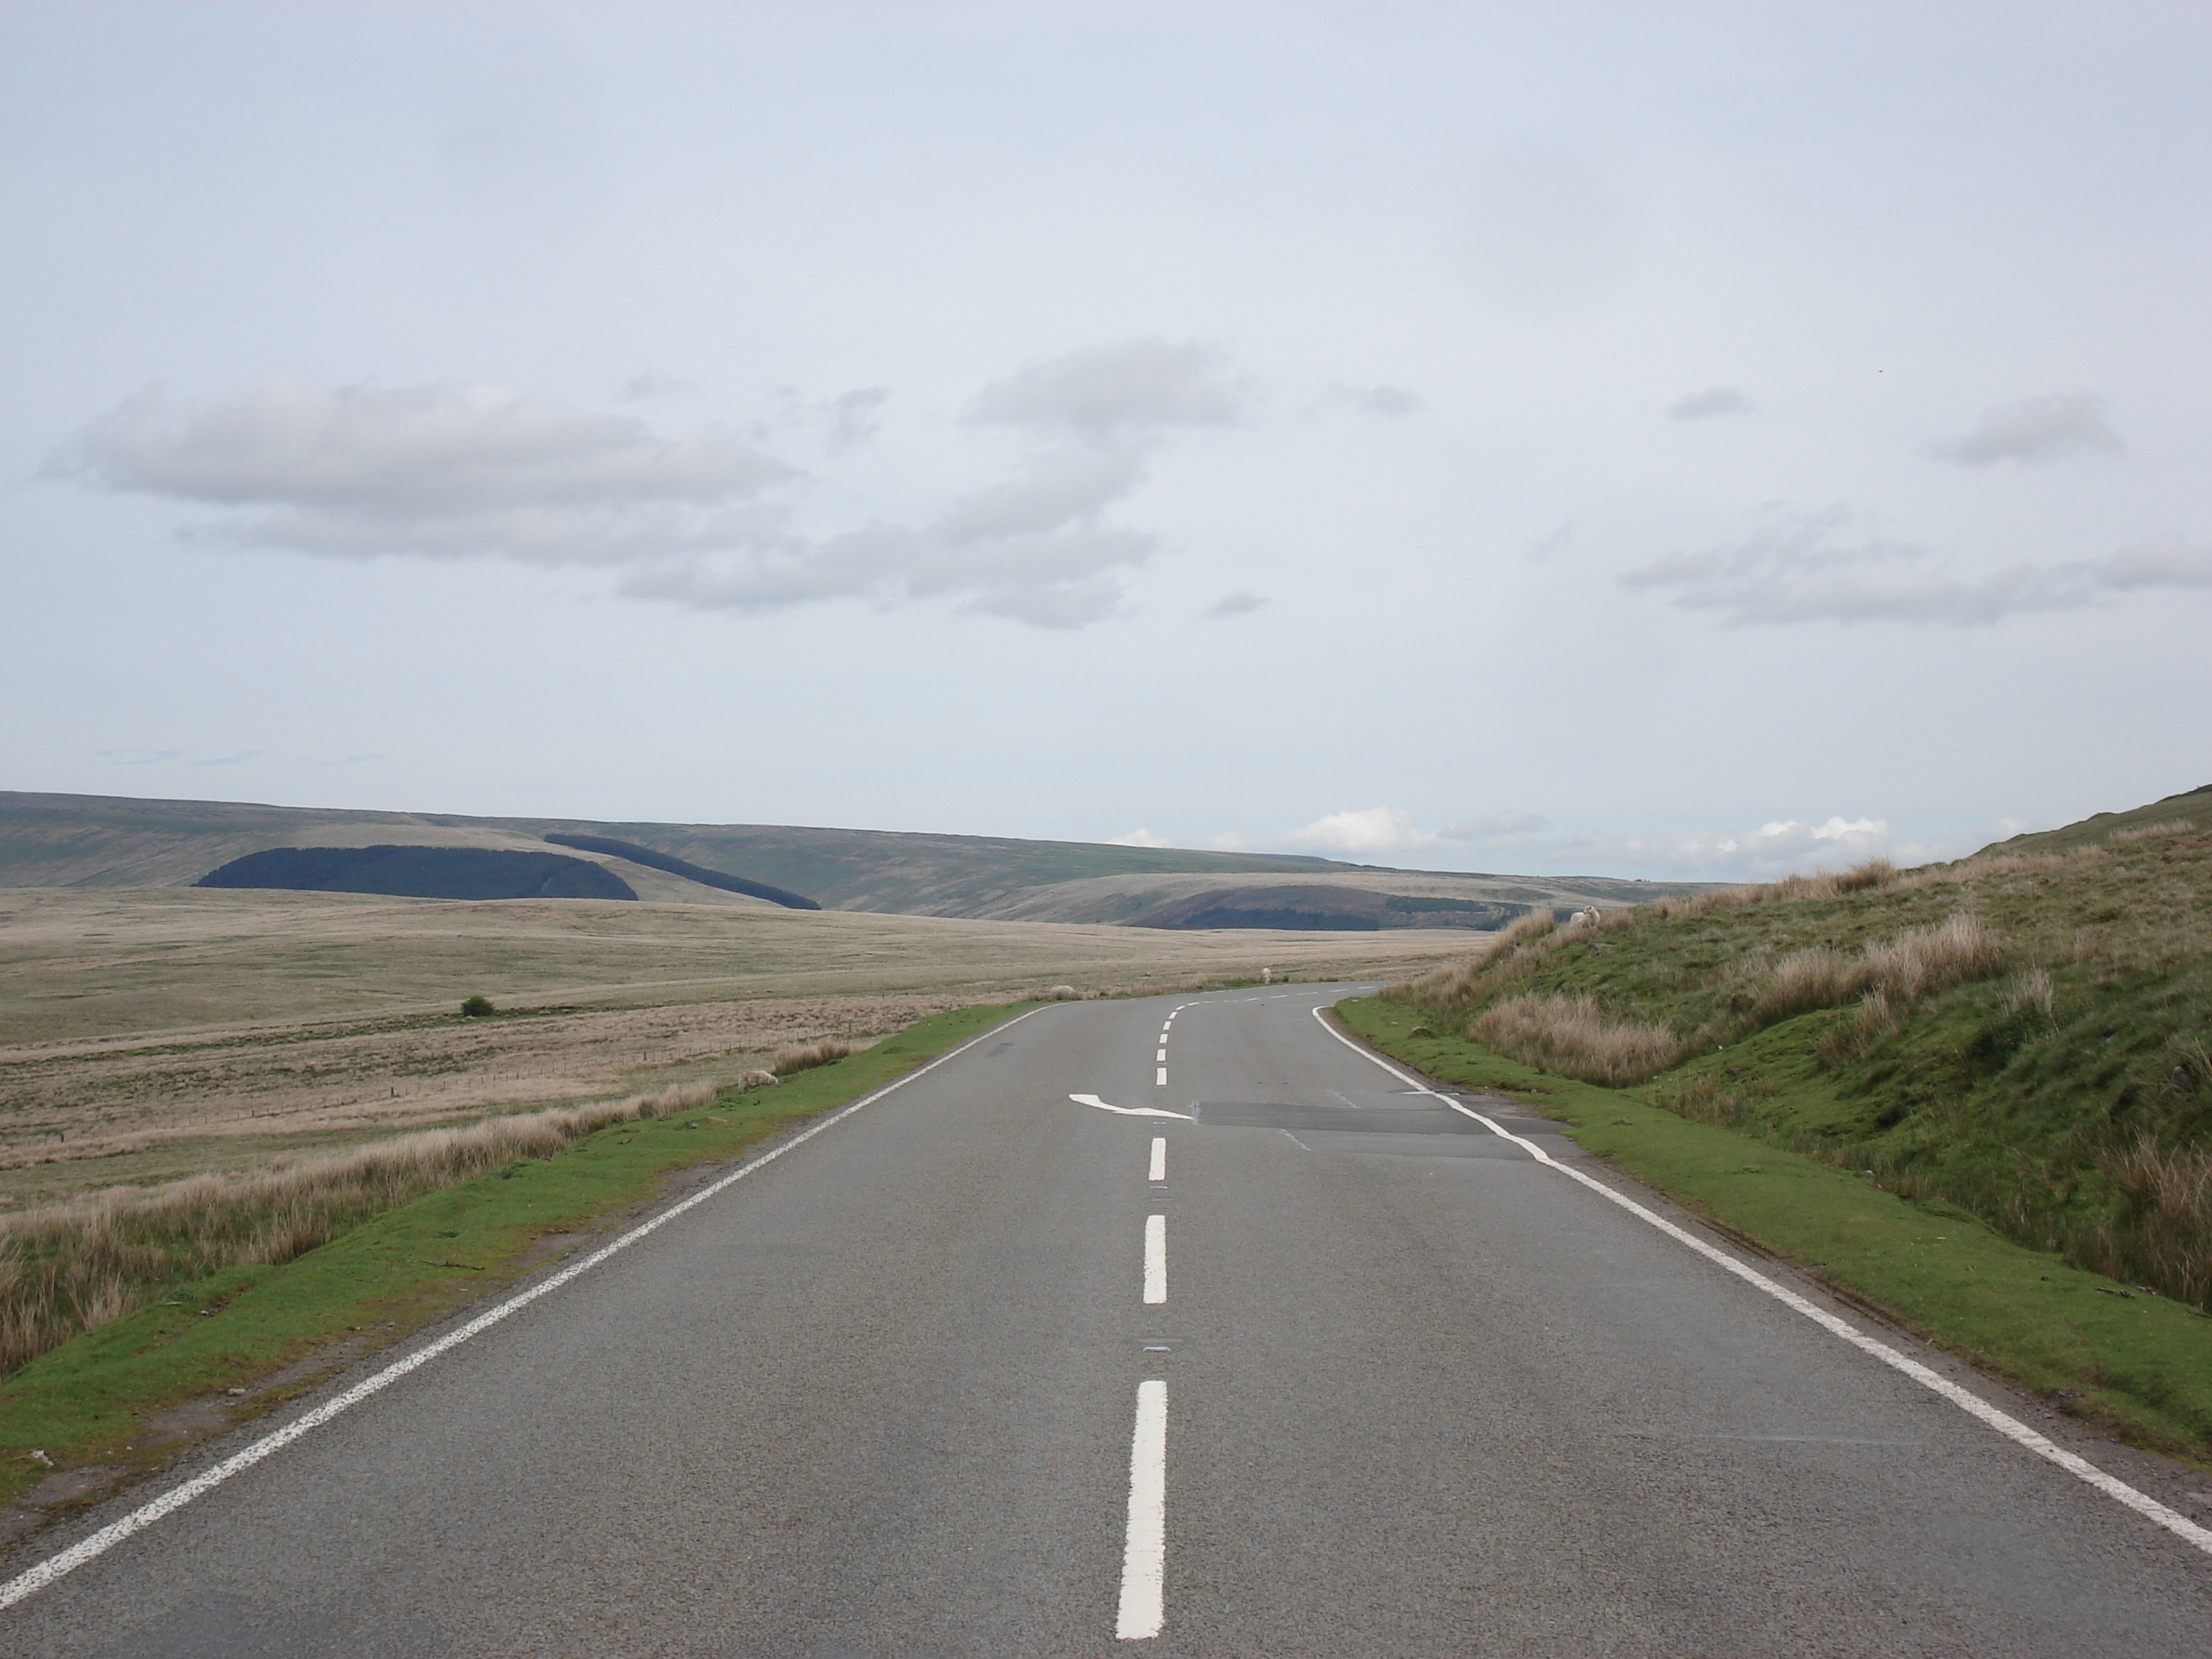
{"x":2033,"y":431}
{"x":1056,"y":579}
{"x":651,"y":383}
{"x":1550,"y":545}
{"x":855,"y":418}
{"x":1134,"y":390}
{"x":1242,"y":603}
{"x":1393,"y":401}
{"x":1825,"y":566}
{"x":1705,"y":405}
{"x":444,"y":469}
{"x":1053,"y":489}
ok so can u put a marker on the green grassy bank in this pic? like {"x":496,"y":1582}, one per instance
{"x":2137,"y":1362}
{"x":130,"y":1394}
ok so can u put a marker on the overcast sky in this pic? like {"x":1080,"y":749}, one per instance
{"x":1639,"y":439}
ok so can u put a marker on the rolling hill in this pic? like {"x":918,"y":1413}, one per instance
{"x":106,"y":841}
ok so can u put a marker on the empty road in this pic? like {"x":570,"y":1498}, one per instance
{"x":1005,"y":1364}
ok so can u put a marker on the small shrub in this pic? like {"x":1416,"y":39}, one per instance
{"x":477,"y":1007}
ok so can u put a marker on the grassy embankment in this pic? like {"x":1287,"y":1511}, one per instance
{"x":1977,"y":1095}
{"x":234,"y":1280}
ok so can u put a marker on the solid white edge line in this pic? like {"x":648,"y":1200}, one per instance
{"x":1155,"y":1260}
{"x":1144,"y":1555}
{"x":45,"y":1572}
{"x":2011,"y":1427}
{"x":1159,"y":1165}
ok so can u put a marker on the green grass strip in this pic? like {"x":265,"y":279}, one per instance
{"x":2136,"y":1363}
{"x":89,"y":1400}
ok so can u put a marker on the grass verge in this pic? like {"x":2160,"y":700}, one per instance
{"x":129,"y":1395}
{"x":2136,"y":1363}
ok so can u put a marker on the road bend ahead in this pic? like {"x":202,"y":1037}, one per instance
{"x":1319,"y":1366}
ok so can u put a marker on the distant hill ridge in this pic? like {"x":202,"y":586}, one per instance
{"x":106,"y":841}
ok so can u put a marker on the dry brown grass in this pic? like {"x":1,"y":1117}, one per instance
{"x":2165,"y":1236}
{"x":1570,"y":1035}
{"x":2163,"y":828}
{"x":1900,"y":971}
{"x":65,"y":1267}
{"x":804,"y":1056}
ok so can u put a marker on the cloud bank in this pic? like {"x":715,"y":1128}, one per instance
{"x":1828,"y":565}
{"x":2034,"y":431}
{"x":449,"y":471}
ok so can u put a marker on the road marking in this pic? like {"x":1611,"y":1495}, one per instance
{"x":2009,"y":1426}
{"x":1163,"y":1054}
{"x":1159,"y":1169}
{"x":1155,"y":1260}
{"x":1161,"y":1081}
{"x":54,"y":1566}
{"x":1294,"y":1140}
{"x":1131,"y":1111}
{"x":1143,"y":1556}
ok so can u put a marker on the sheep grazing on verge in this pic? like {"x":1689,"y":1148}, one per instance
{"x":758,"y":1080}
{"x":1063,"y":993}
{"x":1586,"y":917}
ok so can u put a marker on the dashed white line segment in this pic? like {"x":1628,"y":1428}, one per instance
{"x":2006,"y":1424}
{"x":1159,"y":1165}
{"x":1144,"y":1555}
{"x":1155,"y":1260}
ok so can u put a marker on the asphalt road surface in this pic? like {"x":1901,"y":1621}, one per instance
{"x":1321,"y":1367}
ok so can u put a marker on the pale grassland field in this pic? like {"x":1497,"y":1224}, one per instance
{"x":151,"y":1033}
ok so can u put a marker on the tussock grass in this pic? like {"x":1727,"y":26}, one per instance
{"x":804,"y":1056}
{"x":2163,"y":828}
{"x":1569,"y":1035}
{"x":66,"y":1268}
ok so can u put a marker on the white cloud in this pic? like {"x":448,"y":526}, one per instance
{"x":2033,"y":431}
{"x":1393,"y":402}
{"x":1242,"y":603}
{"x":1371,"y":830}
{"x":1711,"y":402}
{"x":447,"y":470}
{"x":1139,"y":837}
{"x":1828,"y":565}
{"x":1532,"y":845}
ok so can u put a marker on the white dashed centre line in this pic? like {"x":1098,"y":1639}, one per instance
{"x":1159,"y":1169}
{"x":1143,"y":1557}
{"x":1155,"y":1260}
{"x":1163,"y":1054}
{"x":1161,"y":1081}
